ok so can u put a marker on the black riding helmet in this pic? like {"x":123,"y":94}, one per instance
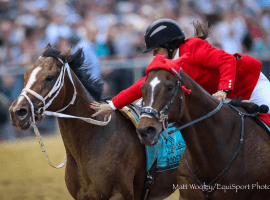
{"x":162,"y":33}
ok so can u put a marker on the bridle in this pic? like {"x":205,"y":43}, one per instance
{"x":154,"y":114}
{"x":43,"y":112}
{"x":162,"y":117}
{"x":55,"y":89}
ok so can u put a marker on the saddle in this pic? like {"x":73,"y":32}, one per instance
{"x":131,"y":112}
{"x":262,"y":118}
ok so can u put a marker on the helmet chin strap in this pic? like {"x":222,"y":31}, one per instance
{"x":170,"y":50}
{"x":170,"y":53}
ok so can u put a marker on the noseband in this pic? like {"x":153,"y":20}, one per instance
{"x":56,"y":89}
{"x":43,"y":112}
{"x":162,"y":117}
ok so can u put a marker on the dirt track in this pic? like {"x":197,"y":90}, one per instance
{"x":25,"y":174}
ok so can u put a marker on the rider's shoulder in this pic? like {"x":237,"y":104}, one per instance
{"x":194,"y":40}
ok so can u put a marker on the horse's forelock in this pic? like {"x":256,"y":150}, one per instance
{"x":78,"y":65}
{"x":54,"y":53}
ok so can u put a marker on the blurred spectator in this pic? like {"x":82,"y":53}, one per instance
{"x":262,"y":44}
{"x":231,"y":31}
{"x":6,"y":85}
{"x":117,"y":80}
{"x":87,"y":42}
{"x":187,"y":15}
{"x":27,"y":26}
{"x":4,"y":115}
{"x":57,"y":28}
{"x":123,"y":40}
{"x":5,"y":41}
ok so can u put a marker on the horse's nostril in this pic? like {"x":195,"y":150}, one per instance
{"x":144,"y":132}
{"x":21,"y":112}
{"x":150,"y":130}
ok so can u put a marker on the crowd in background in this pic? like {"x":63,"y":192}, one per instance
{"x":114,"y":29}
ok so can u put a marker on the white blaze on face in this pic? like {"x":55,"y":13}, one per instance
{"x":153,"y":84}
{"x":30,"y":82}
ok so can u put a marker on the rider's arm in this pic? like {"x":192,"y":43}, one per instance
{"x":129,"y":95}
{"x":208,"y":56}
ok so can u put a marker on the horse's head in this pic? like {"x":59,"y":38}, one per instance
{"x":163,"y":98}
{"x":39,"y":82}
{"x":159,"y":92}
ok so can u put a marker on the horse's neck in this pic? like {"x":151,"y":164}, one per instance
{"x":83,"y":98}
{"x":210,"y":137}
{"x":74,"y":131}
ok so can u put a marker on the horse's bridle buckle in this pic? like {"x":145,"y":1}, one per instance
{"x":40,"y":111}
{"x":163,"y":118}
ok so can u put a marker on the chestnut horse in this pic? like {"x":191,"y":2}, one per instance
{"x":103,"y":162}
{"x":222,"y":160}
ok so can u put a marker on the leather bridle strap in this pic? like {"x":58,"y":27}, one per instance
{"x":204,"y":186}
{"x":162,"y":117}
{"x":199,"y":119}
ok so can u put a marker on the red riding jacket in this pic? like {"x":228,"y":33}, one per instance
{"x":211,"y":68}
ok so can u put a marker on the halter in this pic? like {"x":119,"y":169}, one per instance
{"x":162,"y":117}
{"x":42,"y":111}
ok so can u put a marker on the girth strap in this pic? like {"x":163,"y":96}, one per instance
{"x":149,"y":181}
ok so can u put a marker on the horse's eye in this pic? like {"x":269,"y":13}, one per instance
{"x":50,"y":78}
{"x":170,"y":87}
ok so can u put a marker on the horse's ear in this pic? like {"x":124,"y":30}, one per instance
{"x":47,"y":47}
{"x":66,"y":53}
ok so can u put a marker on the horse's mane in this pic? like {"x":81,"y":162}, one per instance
{"x":77,"y":63}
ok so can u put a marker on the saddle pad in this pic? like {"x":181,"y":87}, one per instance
{"x":168,"y":152}
{"x":265,"y":117}
{"x":131,"y":113}
{"x":265,"y":120}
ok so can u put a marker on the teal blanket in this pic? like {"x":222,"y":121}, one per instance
{"x":168,"y":152}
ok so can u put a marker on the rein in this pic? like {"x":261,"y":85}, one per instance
{"x":152,"y":113}
{"x":42,"y":111}
{"x":199,"y":119}
{"x":204,"y":186}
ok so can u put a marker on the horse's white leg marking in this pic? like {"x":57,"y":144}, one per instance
{"x":153,"y":84}
{"x":30,"y":82}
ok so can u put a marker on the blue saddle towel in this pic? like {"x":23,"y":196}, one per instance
{"x":168,"y":152}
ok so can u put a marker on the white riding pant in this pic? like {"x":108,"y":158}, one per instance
{"x":261,"y":92}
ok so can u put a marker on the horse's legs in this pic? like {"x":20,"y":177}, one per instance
{"x":72,"y":178}
{"x":117,"y":196}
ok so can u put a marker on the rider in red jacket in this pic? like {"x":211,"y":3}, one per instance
{"x":220,"y":73}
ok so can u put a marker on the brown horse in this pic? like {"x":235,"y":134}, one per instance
{"x":217,"y":164}
{"x":103,"y":162}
